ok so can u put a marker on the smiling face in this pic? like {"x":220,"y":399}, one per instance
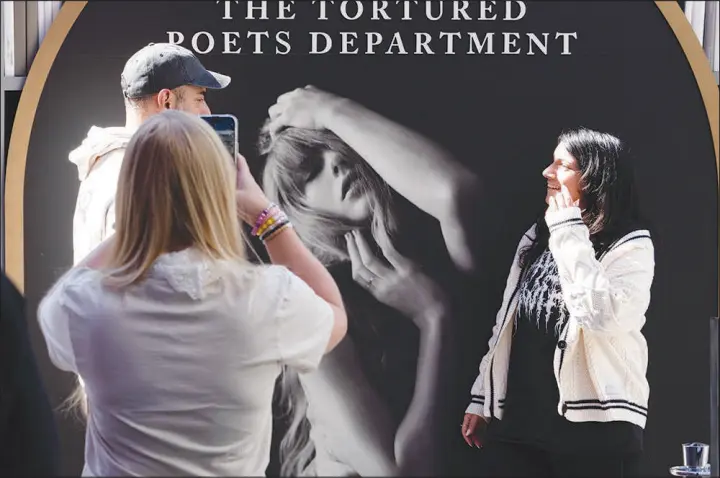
{"x":563,"y":171}
{"x":336,"y":188}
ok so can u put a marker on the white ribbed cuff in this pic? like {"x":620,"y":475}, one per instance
{"x":566,"y":217}
{"x":475,"y":409}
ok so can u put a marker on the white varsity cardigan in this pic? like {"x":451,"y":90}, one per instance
{"x":600,"y":362}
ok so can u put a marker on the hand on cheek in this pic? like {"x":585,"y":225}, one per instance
{"x":561,"y":200}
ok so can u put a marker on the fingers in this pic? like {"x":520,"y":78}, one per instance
{"x":275,"y":110}
{"x":468,"y":439}
{"x":568,"y":197}
{"x":563,"y":199}
{"x":565,"y":195}
{"x":360,"y":272}
{"x":275,"y":125}
{"x":467,"y":430}
{"x":288,"y":95}
{"x":275,"y":113}
{"x":471,"y":425}
{"x":282,"y":98}
{"x":285,"y":110}
{"x":560,"y":200}
{"x":366,"y":254}
{"x":552,"y":204}
{"x":388,"y":249}
{"x":470,"y":430}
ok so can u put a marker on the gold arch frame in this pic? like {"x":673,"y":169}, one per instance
{"x":30,"y":97}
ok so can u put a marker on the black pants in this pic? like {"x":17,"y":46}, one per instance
{"x":500,"y":459}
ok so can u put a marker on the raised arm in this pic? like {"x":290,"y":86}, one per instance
{"x":418,"y":169}
{"x":611,"y":297}
{"x":286,"y":249}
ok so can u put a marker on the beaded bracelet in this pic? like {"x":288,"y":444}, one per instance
{"x":278,"y":221}
{"x":268,"y":217}
{"x":276,"y":231}
{"x":263,"y":217}
{"x":270,"y":222}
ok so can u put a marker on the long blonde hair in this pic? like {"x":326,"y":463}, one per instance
{"x":176,"y":190}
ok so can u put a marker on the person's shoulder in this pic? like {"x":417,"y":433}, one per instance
{"x":633,"y":238}
{"x":272,"y":276}
{"x":258,"y":289}
{"x":80,"y":283}
{"x":81,"y":276}
{"x":247,"y":276}
{"x":278,"y":281}
{"x":76,"y":292}
{"x":635,"y":245}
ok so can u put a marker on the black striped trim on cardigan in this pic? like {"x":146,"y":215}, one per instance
{"x":566,"y":223}
{"x":594,"y":404}
{"x":480,"y":400}
{"x":633,"y":236}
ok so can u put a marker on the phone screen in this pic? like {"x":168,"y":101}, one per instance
{"x":226,"y":127}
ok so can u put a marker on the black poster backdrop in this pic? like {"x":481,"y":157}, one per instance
{"x":498,"y":114}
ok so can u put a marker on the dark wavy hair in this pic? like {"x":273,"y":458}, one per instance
{"x":608,"y":189}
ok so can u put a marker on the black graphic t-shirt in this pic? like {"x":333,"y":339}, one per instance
{"x":530,"y":413}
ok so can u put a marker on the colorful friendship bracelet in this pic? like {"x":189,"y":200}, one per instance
{"x":276,"y":231}
{"x":272,"y":228}
{"x":270,"y":222}
{"x":264,"y":217}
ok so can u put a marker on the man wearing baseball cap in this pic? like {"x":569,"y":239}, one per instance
{"x":158,"y":77}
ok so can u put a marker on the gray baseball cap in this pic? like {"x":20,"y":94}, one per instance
{"x":163,"y":65}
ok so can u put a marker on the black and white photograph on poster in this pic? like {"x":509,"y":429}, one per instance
{"x":351,"y":181}
{"x":452,"y":164}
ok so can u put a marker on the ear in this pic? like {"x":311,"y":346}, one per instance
{"x":164,"y":99}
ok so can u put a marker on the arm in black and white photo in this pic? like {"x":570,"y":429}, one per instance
{"x":402,"y":286}
{"x":420,"y":170}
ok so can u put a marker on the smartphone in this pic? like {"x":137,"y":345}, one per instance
{"x":226,"y":126}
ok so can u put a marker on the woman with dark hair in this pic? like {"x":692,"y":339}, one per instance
{"x":349,"y":179}
{"x":563,"y":387}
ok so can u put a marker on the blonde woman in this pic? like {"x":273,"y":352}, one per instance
{"x":178,"y":339}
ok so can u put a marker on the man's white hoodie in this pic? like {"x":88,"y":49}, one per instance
{"x":98,"y":160}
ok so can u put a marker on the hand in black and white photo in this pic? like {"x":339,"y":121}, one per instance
{"x":399,"y":284}
{"x":301,"y":108}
